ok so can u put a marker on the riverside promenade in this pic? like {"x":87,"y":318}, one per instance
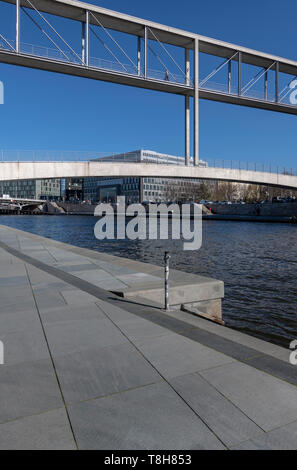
{"x":87,"y":369}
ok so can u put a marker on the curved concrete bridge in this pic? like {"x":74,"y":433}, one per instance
{"x":45,"y":170}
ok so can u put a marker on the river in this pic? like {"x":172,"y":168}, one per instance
{"x":256,"y":261}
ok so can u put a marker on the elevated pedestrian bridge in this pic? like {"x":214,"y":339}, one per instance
{"x":13,"y":171}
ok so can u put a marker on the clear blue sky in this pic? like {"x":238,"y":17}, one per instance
{"x":43,"y":110}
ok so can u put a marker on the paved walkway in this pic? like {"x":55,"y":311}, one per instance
{"x":85,"y":369}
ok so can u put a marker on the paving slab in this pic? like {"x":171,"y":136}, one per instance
{"x":18,"y":305}
{"x":94,"y":276}
{"x":113,"y":285}
{"x":21,"y":294}
{"x":48,"y":297}
{"x":77,"y":297}
{"x":70,"y":313}
{"x":24,"y":345}
{"x":138,"y":328}
{"x":28,"y":388}
{"x":38,"y":277}
{"x":46,"y":431}
{"x":115,"y":313}
{"x":222,"y":416}
{"x":284,"y":438}
{"x":14,"y":281}
{"x":103,"y":371}
{"x":135,"y":278}
{"x":175,"y":355}
{"x":151,"y":417}
{"x":266,"y":400}
{"x":79,"y":267}
{"x":68,"y":337}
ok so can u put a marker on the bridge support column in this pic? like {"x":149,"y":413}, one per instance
{"x":239,"y":73}
{"x":87,"y":40}
{"x":187,"y":109}
{"x":187,"y":130}
{"x":17,"y":37}
{"x":196,"y":103}
{"x":145,"y":52}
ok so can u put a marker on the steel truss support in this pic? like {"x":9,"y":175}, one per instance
{"x":83,"y":42}
{"x":239,"y":73}
{"x":229,"y":75}
{"x":266,"y":85}
{"x":187,"y":109}
{"x":196,"y":102}
{"x":276,"y":82}
{"x":139,"y":56}
{"x":18,"y":24}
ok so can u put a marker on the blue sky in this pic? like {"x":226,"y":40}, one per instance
{"x":49,"y":111}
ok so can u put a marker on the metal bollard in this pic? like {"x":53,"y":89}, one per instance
{"x":166,"y":260}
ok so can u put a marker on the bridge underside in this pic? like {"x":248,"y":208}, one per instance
{"x":14,"y":171}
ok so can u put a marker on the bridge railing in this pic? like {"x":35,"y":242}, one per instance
{"x":103,"y":64}
{"x":254,"y":92}
{"x":251,"y":166}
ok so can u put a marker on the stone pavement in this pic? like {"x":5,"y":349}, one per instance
{"x":85,"y":369}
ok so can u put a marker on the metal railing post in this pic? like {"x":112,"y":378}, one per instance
{"x":276,"y":82}
{"x":139,"y":56}
{"x":166,"y":260}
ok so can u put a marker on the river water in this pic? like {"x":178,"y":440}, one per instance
{"x":256,"y":261}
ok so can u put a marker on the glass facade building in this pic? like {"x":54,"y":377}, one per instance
{"x":49,"y":189}
{"x":141,"y":189}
